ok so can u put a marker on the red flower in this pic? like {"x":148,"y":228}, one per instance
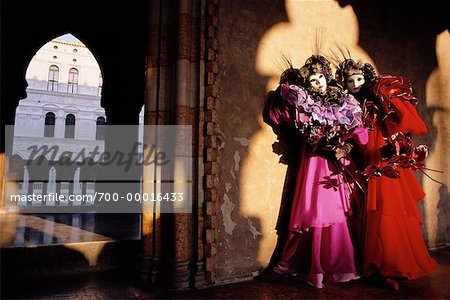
{"x":399,"y":152}
{"x":420,"y":153}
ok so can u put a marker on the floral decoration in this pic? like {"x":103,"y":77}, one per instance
{"x":330,"y":117}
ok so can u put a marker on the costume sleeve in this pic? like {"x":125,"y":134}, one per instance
{"x":406,"y":119}
{"x":277,"y":111}
{"x":360,"y":136}
{"x":399,"y":105}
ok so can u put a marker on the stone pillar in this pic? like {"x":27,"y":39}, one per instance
{"x":175,"y":95}
{"x":183,"y":238}
{"x":198,"y":121}
{"x":211,"y":165}
{"x":8,"y":210}
{"x":149,"y":264}
{"x":2,"y":181}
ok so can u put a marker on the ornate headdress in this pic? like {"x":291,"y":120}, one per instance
{"x":349,"y":67}
{"x":316,"y":64}
{"x":291,"y":75}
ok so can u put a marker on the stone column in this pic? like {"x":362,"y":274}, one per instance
{"x":211,"y":165}
{"x":198,"y":122}
{"x":175,"y":95}
{"x":149,"y":265}
{"x":182,"y":232}
{"x":2,"y":181}
{"x":8,"y":210}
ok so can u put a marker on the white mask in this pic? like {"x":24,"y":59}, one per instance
{"x":355,"y":82}
{"x":318,"y":82}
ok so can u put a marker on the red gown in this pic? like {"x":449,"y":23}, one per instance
{"x":394,"y":245}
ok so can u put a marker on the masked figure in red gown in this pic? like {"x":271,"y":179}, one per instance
{"x":393,"y":247}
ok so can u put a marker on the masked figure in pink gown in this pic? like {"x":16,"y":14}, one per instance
{"x":318,"y":246}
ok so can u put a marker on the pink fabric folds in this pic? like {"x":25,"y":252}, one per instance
{"x":319,"y":254}
{"x":322,"y":196}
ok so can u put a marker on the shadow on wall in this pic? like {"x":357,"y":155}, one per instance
{"x":443,"y":234}
{"x":245,"y":200}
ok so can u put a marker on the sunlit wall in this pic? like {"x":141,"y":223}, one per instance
{"x":437,"y":202}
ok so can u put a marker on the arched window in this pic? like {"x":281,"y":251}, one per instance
{"x":100,"y":84}
{"x":49,"y":125}
{"x":100,"y":133}
{"x":72,"y":86}
{"x":53,"y":75}
{"x":70,"y":127}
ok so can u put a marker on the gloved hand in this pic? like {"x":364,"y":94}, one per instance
{"x":343,"y":150}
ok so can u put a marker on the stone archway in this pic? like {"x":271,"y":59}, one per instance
{"x":165,"y":56}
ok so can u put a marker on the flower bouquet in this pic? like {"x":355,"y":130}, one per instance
{"x":328,"y":118}
{"x":399,"y":152}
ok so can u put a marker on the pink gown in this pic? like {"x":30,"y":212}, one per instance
{"x":319,"y":240}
